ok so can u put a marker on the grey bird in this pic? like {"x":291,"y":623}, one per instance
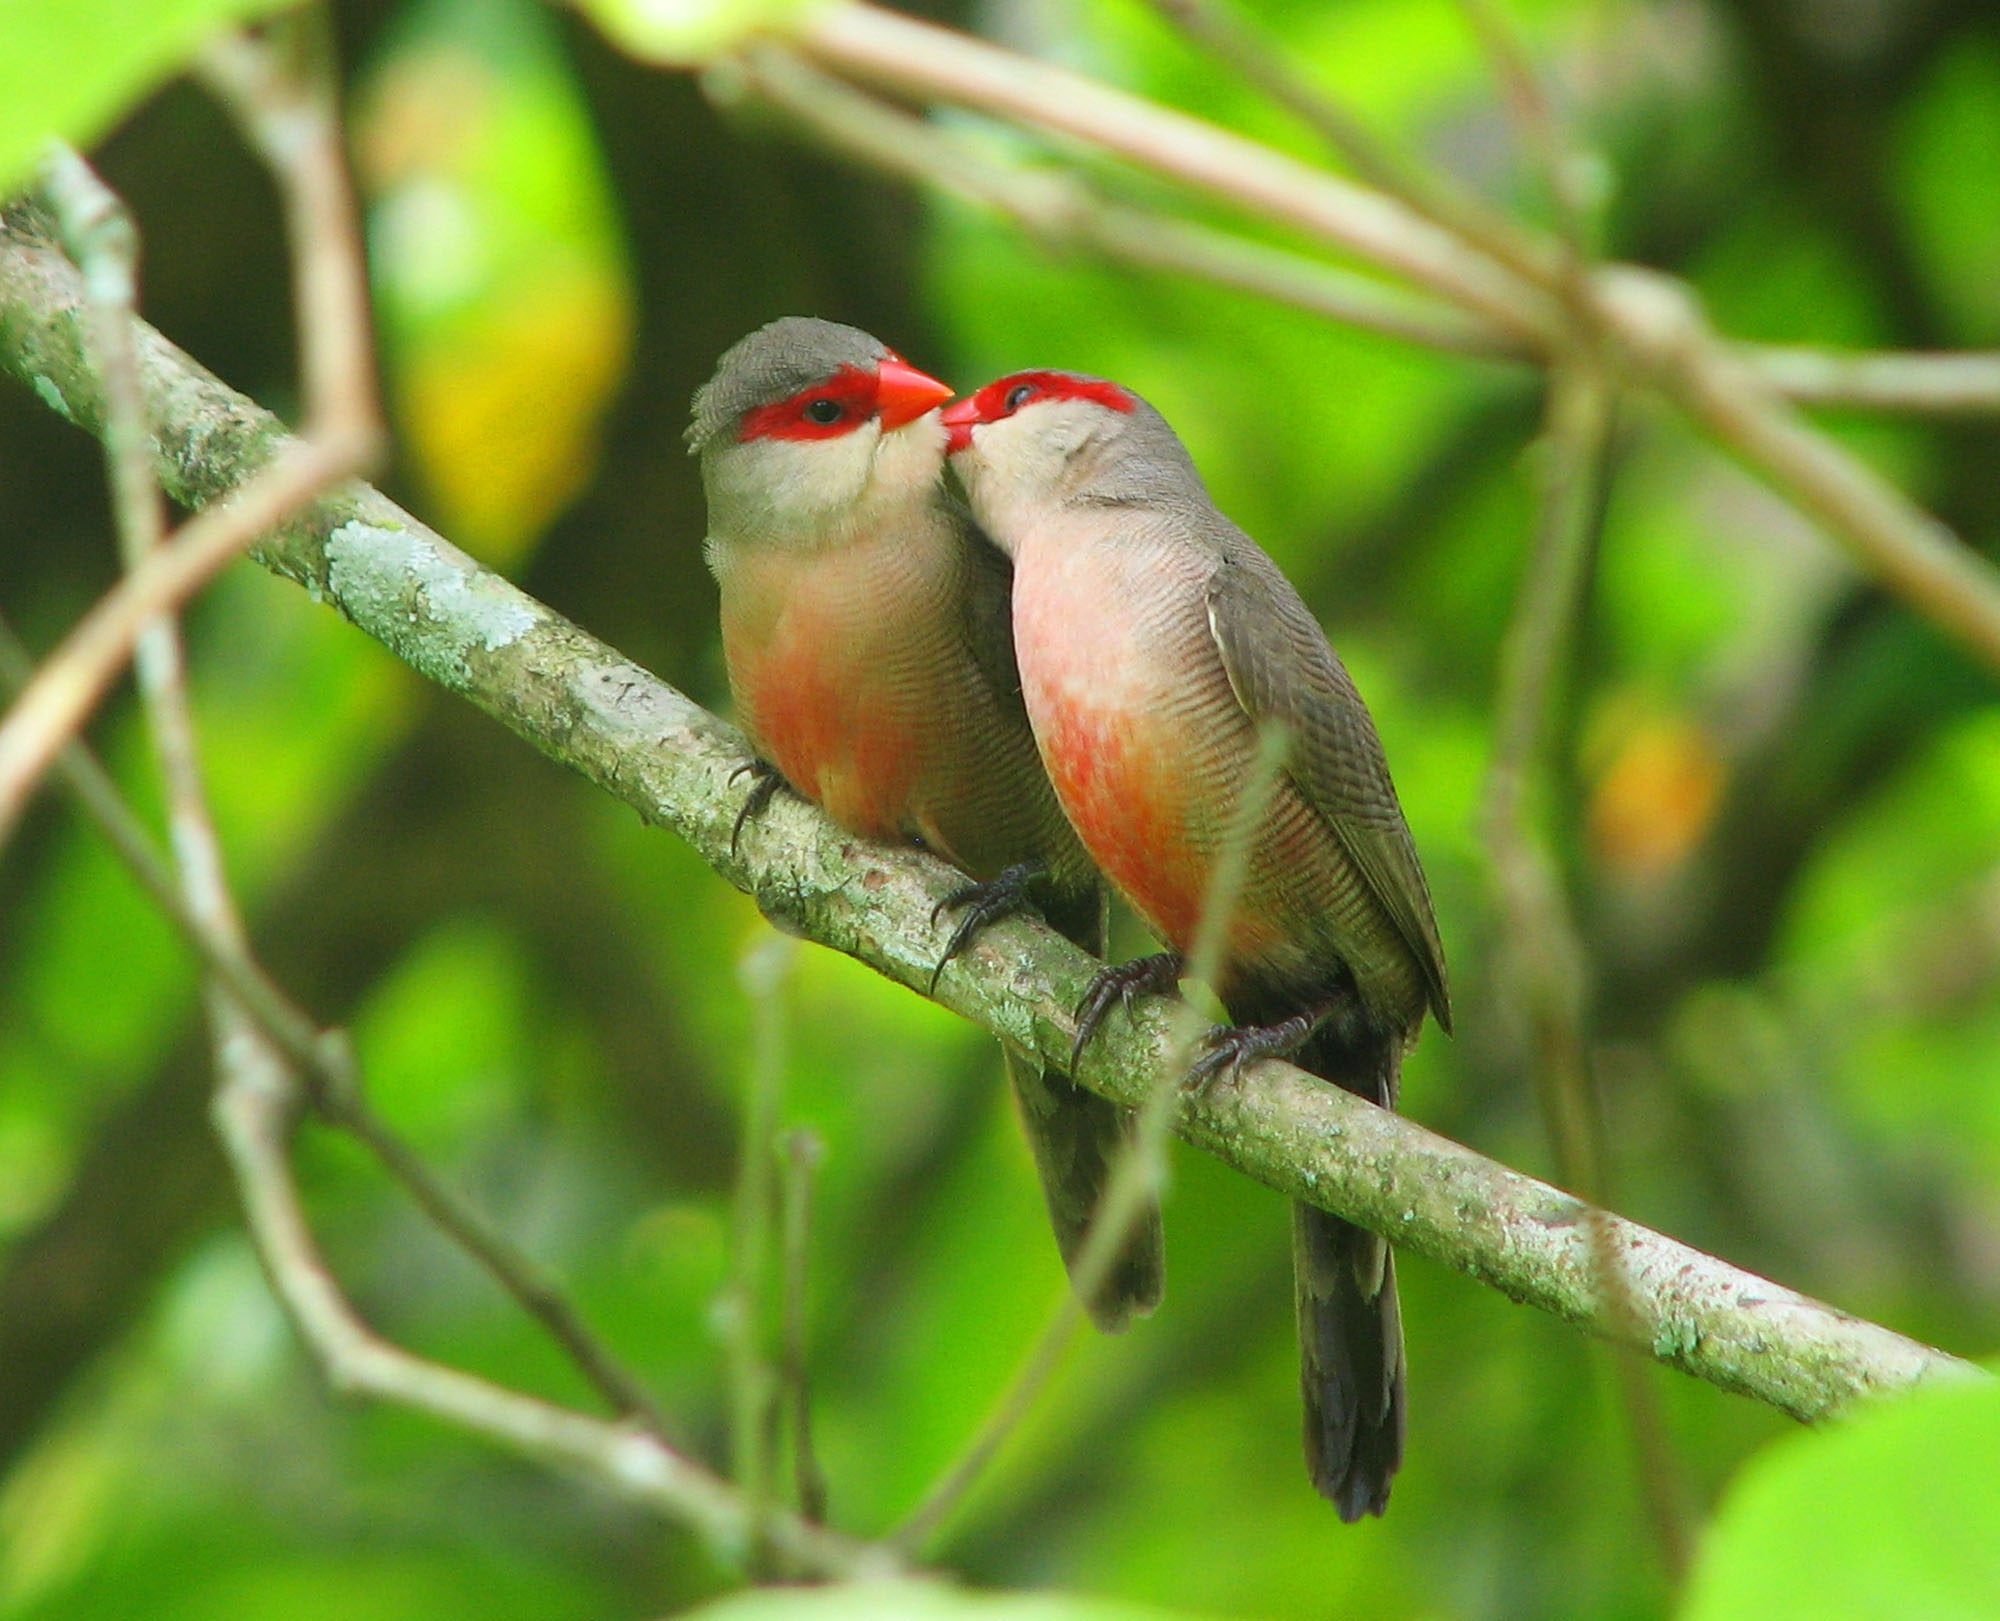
{"x":865,"y":626}
{"x":1154,"y":640}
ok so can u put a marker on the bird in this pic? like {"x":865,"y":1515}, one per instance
{"x":1155,"y":641}
{"x":866,"y":633}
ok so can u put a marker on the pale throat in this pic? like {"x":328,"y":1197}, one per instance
{"x":820,"y":495}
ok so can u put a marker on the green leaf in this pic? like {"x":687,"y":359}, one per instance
{"x":72,"y":67}
{"x":688,"y":33}
{"x":917,"y":1601}
{"x":1896,"y":1513}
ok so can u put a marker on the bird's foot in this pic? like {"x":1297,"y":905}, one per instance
{"x":1226,"y":1051}
{"x":1123,"y":983}
{"x":984,"y":904}
{"x":766,"y":781}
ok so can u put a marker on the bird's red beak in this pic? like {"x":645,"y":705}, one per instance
{"x":959,"y":419}
{"x":903,"y":393}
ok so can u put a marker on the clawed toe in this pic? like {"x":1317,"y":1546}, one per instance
{"x":1122,"y":984}
{"x":768,"y":781}
{"x":1228,"y":1050}
{"x":984,"y":904}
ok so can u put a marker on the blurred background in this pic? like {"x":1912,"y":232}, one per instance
{"x":1780,"y":815}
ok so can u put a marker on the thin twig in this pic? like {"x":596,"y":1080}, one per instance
{"x":901,"y":53}
{"x":334,"y":1084}
{"x":259,"y":1091}
{"x":101,"y":235}
{"x":803,"y":1152}
{"x":53,"y":707}
{"x":1542,"y":961}
{"x":1533,"y":112}
{"x":255,"y":1112}
{"x":1138,"y":1172}
{"x":292,"y":119}
{"x":533,"y":1288}
{"x":1665,"y":336}
{"x":282,"y":92}
{"x":1935,"y":384}
{"x":1214,"y":26}
{"x":1062,"y":212}
{"x":765,"y":973}
{"x":1541,"y":936}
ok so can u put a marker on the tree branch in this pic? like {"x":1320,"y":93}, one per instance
{"x":586,"y":706}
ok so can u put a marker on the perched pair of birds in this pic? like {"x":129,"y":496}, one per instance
{"x":1070,"y":679}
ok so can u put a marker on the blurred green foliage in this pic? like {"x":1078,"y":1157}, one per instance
{"x":1779,"y":808}
{"x":1896,"y":1514}
{"x":74,"y":65}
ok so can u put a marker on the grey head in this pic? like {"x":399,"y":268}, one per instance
{"x":778,"y":360}
{"x":1036,"y":439}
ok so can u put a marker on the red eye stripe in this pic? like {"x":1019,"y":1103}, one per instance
{"x":990,"y":403}
{"x":850,"y":388}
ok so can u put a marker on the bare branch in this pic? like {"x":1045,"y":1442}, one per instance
{"x":1541,"y":960}
{"x":1666,"y":337}
{"x":1211,"y":24}
{"x":54,"y":706}
{"x":107,"y":247}
{"x":265,"y":1048}
{"x":1062,"y":212}
{"x":803,"y":1152}
{"x":1546,"y":133}
{"x":334,"y":1085}
{"x":922,"y":59}
{"x":1934,"y":384}
{"x":765,"y":974}
{"x":282,"y":93}
{"x":254,"y":1112}
{"x":343,"y":434}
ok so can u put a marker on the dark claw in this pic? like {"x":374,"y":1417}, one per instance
{"x":1122,"y":983}
{"x":1229,"y":1050}
{"x":769,"y":781}
{"x":984,"y":903}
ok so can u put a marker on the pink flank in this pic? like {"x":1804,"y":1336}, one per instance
{"x":1130,"y":820}
{"x":1087,"y":680}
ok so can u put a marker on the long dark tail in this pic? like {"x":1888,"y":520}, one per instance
{"x":1075,"y":1135}
{"x":1351,"y":1368}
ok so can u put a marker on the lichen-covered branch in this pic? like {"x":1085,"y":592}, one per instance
{"x":583,"y":704}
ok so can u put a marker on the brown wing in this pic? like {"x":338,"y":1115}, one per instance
{"x":1281,"y":669}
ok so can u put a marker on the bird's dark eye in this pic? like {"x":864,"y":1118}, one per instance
{"x":825,"y":412}
{"x":1019,"y":395}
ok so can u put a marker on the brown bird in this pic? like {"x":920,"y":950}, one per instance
{"x":1154,"y":639}
{"x":865,"y":625}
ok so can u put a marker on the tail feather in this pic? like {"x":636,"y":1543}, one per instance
{"x":1351,"y":1366}
{"x":1075,"y":1136}
{"x":1351,"y":1371}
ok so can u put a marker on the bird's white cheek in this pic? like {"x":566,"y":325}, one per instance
{"x":908,"y":461}
{"x":973,"y":470}
{"x":1001,"y":497}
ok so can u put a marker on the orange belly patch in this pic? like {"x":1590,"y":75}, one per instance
{"x":1129,"y":814}
{"x":819,"y":721}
